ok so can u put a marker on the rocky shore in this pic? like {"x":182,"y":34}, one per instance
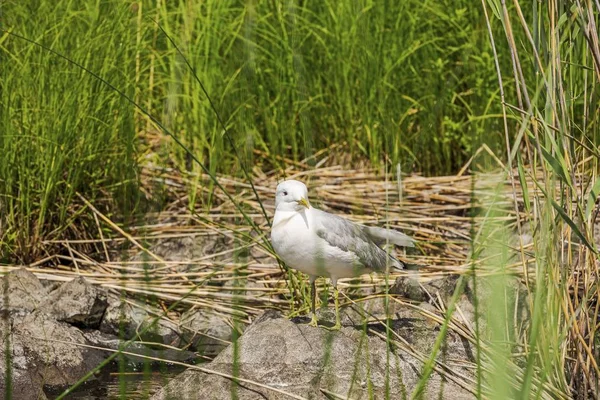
{"x":53,"y":335}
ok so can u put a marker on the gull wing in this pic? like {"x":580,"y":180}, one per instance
{"x":350,"y":237}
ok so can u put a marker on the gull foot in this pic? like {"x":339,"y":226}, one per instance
{"x":336,"y":327}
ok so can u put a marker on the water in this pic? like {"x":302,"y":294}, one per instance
{"x":111,"y":384}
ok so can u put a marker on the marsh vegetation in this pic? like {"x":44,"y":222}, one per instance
{"x":141,"y":142}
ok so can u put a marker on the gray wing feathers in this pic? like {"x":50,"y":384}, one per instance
{"x":382,"y":236}
{"x":348,"y":236}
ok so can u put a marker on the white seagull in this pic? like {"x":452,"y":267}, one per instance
{"x":322,"y":244}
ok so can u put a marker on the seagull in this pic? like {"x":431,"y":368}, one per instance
{"x":322,"y":244}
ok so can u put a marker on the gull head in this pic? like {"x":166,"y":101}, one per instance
{"x":291,"y":195}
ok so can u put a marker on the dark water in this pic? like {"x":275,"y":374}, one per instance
{"x":112,"y":384}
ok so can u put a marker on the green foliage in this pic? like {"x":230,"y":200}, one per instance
{"x":551,"y":353}
{"x":61,"y":131}
{"x":410,"y":81}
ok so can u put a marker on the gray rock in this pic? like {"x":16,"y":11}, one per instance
{"x":128,"y":322}
{"x":43,"y":351}
{"x":25,"y":382}
{"x":77,"y":302}
{"x":48,"y":350}
{"x":206,"y":331}
{"x":309,"y":362}
{"x":355,"y":315}
{"x":21,"y":290}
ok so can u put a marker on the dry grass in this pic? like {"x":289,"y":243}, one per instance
{"x":210,"y":258}
{"x":181,"y":252}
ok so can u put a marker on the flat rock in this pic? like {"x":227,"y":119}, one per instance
{"x":128,"y":321}
{"x":78,"y":303}
{"x":309,"y":362}
{"x":21,"y":290}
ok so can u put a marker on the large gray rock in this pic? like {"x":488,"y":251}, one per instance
{"x":128,"y":321}
{"x":38,"y":336}
{"x":77,"y":302}
{"x":21,"y":290}
{"x":310,"y":362}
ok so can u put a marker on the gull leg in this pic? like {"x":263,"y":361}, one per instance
{"x":313,"y":295}
{"x":338,"y":324}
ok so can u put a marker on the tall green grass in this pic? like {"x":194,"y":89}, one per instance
{"x":409,"y":82}
{"x":404,"y":80}
{"x":61,"y":131}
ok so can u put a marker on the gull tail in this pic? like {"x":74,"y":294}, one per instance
{"x":382,"y":236}
{"x":396,"y":264}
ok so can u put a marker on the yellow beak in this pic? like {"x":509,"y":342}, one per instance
{"x":304,"y":202}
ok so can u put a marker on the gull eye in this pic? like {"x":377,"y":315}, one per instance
{"x":285,"y":193}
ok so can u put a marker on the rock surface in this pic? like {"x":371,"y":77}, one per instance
{"x":312,"y":363}
{"x":130,"y":322}
{"x":21,"y":290}
{"x":25,"y":382}
{"x":54,"y":350}
{"x":137,"y":353}
{"x":412,"y":288}
{"x":38,"y":330}
{"x":77,"y":302}
{"x":205,"y":331}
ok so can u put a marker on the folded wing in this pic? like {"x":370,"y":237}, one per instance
{"x":348,"y":236}
{"x":382,"y":236}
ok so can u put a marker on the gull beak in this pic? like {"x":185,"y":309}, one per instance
{"x":304,"y":202}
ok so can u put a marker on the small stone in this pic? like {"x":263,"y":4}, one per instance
{"x":139,"y":353}
{"x":411,"y":288}
{"x":78,"y":303}
{"x":130,"y":322}
{"x":206,"y":331}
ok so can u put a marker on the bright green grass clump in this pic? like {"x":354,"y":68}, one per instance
{"x":61,"y":131}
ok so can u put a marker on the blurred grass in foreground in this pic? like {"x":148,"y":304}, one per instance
{"x":542,"y":319}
